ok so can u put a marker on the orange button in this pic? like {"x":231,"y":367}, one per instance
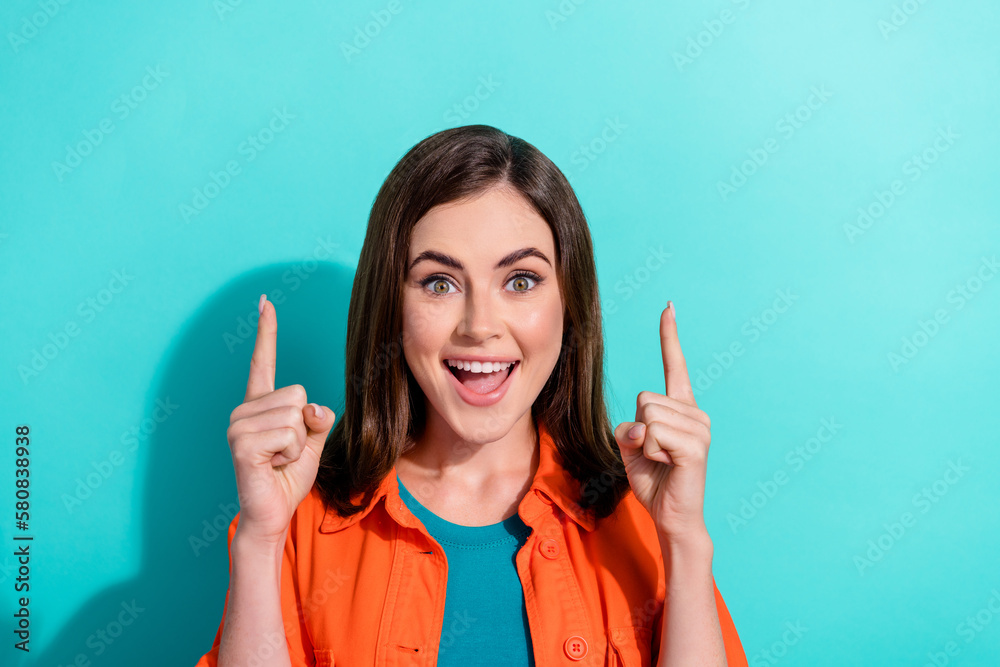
{"x":575,"y":647}
{"x":549,"y":548}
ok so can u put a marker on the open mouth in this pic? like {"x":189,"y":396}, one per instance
{"x":481,"y":383}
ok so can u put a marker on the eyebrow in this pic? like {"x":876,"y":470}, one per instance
{"x":453,"y":263}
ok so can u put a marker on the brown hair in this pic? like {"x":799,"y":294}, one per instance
{"x":384,"y":405}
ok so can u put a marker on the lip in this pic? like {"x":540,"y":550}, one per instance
{"x":471,"y":397}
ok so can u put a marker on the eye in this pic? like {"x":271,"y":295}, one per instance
{"x":522,"y":277}
{"x":439,"y":284}
{"x":524,"y":281}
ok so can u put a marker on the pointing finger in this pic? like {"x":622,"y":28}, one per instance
{"x":675,"y":375}
{"x":262,"y":362}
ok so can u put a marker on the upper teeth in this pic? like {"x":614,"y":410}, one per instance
{"x":479,"y":366}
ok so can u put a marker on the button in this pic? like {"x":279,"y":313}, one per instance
{"x":549,"y":548}
{"x":575,"y":647}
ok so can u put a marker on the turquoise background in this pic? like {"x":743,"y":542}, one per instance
{"x":645,"y":137}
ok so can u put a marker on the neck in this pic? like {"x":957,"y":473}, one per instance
{"x":443,"y":453}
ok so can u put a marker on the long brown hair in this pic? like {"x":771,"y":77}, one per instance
{"x":383,"y":404}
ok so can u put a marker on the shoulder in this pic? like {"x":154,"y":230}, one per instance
{"x":631,"y":528}
{"x":309,"y":515}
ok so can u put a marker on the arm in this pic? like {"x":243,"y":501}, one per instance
{"x":262,"y":604}
{"x":253,"y":627}
{"x":691,"y":633}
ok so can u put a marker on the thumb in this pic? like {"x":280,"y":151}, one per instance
{"x":318,"y":427}
{"x":628,"y":444}
{"x":630,"y":434}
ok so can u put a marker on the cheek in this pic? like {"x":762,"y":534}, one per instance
{"x":423,"y":333}
{"x":540,"y":335}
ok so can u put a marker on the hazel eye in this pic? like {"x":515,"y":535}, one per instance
{"x":524,"y":282}
{"x":521,"y":280}
{"x":438,"y":285}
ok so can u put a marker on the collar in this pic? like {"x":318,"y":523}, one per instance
{"x":552,"y":484}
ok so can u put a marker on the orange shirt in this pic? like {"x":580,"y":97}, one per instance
{"x":370,"y":589}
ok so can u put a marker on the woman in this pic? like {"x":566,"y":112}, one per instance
{"x":473,"y":504}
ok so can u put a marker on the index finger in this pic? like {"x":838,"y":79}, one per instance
{"x":262,"y":362}
{"x":675,"y":375}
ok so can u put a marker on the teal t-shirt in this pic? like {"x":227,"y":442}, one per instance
{"x":485,"y":619}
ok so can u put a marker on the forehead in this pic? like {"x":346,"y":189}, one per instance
{"x":490,"y":223}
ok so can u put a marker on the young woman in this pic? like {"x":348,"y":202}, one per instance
{"x":473,"y":504}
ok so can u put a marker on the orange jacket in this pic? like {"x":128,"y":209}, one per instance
{"x":370,"y":589}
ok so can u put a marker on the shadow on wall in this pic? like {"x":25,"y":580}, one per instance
{"x":168,"y":613}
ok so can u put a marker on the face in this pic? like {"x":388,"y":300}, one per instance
{"x":481,"y":282}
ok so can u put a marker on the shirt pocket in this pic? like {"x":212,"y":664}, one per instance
{"x":324,"y":657}
{"x":629,"y":646}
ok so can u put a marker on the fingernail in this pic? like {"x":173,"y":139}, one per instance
{"x":635,"y":431}
{"x":318,"y":410}
{"x":260,"y":306}
{"x":673,"y":311}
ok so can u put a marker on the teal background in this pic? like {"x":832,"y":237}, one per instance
{"x":293,"y":219}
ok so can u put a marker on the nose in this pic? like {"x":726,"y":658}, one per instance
{"x":480,"y":316}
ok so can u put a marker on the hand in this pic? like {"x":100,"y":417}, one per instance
{"x":276,"y":442}
{"x":666,"y":461}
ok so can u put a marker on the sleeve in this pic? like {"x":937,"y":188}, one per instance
{"x":296,"y":637}
{"x":735,"y":657}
